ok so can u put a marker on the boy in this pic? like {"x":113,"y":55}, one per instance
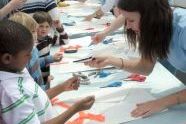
{"x":44,"y":40}
{"x":27,"y":102}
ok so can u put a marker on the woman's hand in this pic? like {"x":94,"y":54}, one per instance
{"x":98,"y":37}
{"x":148,"y":108}
{"x":98,"y":62}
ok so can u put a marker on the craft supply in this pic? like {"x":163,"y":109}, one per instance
{"x":70,"y":51}
{"x":135,"y":77}
{"x":113,"y":84}
{"x":85,"y":59}
{"x":107,"y":41}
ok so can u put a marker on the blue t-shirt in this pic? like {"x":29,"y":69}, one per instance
{"x":177,"y":55}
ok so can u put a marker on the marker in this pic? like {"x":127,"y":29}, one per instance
{"x":85,"y":59}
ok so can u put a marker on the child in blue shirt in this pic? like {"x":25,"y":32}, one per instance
{"x":35,"y":64}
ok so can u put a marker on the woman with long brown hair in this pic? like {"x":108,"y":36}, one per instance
{"x":159,"y":33}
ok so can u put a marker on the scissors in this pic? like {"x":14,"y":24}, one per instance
{"x":107,"y":41}
{"x":135,"y":77}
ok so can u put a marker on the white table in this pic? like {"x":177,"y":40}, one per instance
{"x":159,"y":83}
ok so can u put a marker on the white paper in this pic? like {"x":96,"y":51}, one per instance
{"x":102,"y":95}
{"x":83,"y":41}
{"x":120,"y":113}
{"x":70,"y":68}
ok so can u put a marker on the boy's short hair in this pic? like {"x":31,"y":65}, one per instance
{"x":24,"y":19}
{"x":14,"y":37}
{"x":42,"y":17}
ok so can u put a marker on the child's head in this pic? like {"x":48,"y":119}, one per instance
{"x":27,"y":21}
{"x":45,"y":22}
{"x":16,"y":43}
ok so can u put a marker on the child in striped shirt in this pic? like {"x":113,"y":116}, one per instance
{"x":21,"y":99}
{"x":45,"y":41}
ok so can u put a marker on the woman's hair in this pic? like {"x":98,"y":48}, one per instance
{"x":42,"y":17}
{"x":25,"y":20}
{"x":155,"y":26}
{"x":14,"y":37}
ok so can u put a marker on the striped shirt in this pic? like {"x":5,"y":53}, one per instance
{"x":44,"y":46}
{"x":22,"y":100}
{"x":50,"y":6}
{"x":35,"y":64}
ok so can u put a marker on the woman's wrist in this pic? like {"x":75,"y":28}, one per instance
{"x":110,"y":61}
{"x":170,"y":101}
{"x":116,"y":62}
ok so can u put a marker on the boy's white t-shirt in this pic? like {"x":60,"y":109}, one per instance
{"x":22,"y":100}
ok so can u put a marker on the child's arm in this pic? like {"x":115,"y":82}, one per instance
{"x":63,"y":36}
{"x":12,"y":5}
{"x":83,"y":104}
{"x":97,"y":14}
{"x":44,"y":61}
{"x":54,"y":12}
{"x":70,"y":84}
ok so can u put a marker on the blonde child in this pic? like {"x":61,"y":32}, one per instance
{"x":35,"y":63}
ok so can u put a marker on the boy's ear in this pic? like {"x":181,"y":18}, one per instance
{"x":6,"y":58}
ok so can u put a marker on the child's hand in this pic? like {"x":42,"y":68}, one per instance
{"x":57,"y":24}
{"x":50,"y":78}
{"x":85,"y":103}
{"x":57,"y":57}
{"x":71,"y":84}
